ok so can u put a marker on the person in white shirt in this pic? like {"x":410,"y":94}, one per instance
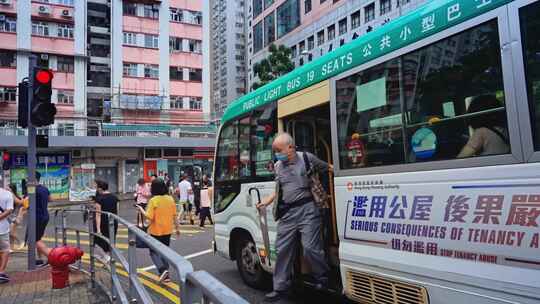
{"x":184,"y":191}
{"x":6,"y":207}
{"x":206,"y":202}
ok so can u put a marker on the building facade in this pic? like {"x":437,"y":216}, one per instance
{"x":312,"y":28}
{"x":127,"y":80}
{"x":227,"y":53}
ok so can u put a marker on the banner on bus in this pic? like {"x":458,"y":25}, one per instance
{"x":489,"y":223}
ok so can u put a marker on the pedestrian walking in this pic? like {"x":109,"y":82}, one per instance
{"x":43,"y":197}
{"x":18,"y":202}
{"x":142,"y":195}
{"x":105,"y":201}
{"x":161,"y":213}
{"x":6,"y":208}
{"x":184,"y":192}
{"x":300,"y":216}
{"x":206,"y":199}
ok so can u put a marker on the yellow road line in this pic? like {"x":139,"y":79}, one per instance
{"x":162,"y":291}
{"x":154,"y":277}
{"x":83,"y":242}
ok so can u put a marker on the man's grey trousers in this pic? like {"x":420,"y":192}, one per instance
{"x":303,"y":221}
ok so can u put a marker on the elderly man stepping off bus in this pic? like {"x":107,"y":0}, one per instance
{"x":301,"y":217}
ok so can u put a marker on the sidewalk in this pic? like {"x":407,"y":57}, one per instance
{"x":35,"y":287}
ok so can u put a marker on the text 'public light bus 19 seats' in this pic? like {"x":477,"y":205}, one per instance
{"x":431,"y":124}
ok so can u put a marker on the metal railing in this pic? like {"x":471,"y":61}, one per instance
{"x":14,"y":131}
{"x":195,"y":286}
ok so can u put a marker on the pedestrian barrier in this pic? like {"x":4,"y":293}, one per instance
{"x":195,"y":286}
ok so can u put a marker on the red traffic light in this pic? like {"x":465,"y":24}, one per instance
{"x":5,"y":156}
{"x":44,"y":76}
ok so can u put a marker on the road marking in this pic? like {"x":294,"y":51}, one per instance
{"x":69,"y":241}
{"x":187,"y":257}
{"x":162,"y":291}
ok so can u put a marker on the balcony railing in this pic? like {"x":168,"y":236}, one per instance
{"x":173,"y":133}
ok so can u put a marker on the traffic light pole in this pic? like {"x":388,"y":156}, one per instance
{"x":32,"y":182}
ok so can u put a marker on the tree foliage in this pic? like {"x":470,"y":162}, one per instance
{"x":277,"y":63}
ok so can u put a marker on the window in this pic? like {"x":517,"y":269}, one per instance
{"x":66,"y":129}
{"x":176,"y":73}
{"x":369,"y":12}
{"x":195,"y":103}
{"x":175,"y":44}
{"x":307,"y":6}
{"x":177,"y":102}
{"x":65,"y":30}
{"x":355,"y":19}
{"x":531,"y":55}
{"x":8,"y":59}
{"x":152,"y":153}
{"x":130,"y":69}
{"x":40,"y":28}
{"x":320,"y":37}
{"x":444,"y":114}
{"x":195,"y":75}
{"x":264,"y":129}
{"x":151,"y":11}
{"x":386,"y":6}
{"x":302,"y":47}
{"x":195,"y":46}
{"x":267,"y":3}
{"x":8,"y":94}
{"x":257,"y":8}
{"x":342,"y":26}
{"x":129,"y":9}
{"x":227,"y":155}
{"x":402,"y":2}
{"x":8,"y":25}
{"x":293,"y":51}
{"x":65,"y":64}
{"x":196,"y":18}
{"x":65,"y":97}
{"x":310,"y":43}
{"x":257,"y":37}
{"x":151,"y":41}
{"x":288,"y":17}
{"x":176,"y":15}
{"x":130,"y":38}
{"x":269,"y":29}
{"x":151,"y":71}
{"x":331,"y":32}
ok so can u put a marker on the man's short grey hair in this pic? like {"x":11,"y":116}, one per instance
{"x":286,"y":138}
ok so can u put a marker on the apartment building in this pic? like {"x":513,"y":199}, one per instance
{"x":127,"y":85}
{"x":312,"y":28}
{"x":227,"y":53}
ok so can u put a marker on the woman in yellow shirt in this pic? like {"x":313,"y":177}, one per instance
{"x":161,"y":213}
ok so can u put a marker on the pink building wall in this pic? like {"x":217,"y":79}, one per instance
{"x":139,"y":85}
{"x":185,"y":88}
{"x":8,"y":77}
{"x":53,"y":45}
{"x":184,"y":30}
{"x":63,"y":81}
{"x":141,"y":25}
{"x":187,"y":60}
{"x":9,"y":41}
{"x":9,"y":8}
{"x":187,"y":4}
{"x":55,"y":11}
{"x":140,"y":55}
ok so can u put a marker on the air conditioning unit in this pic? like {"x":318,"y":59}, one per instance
{"x":44,"y":10}
{"x":2,"y":17}
{"x":44,"y":56}
{"x":5,"y":2}
{"x":180,"y":69}
{"x":67,"y":14}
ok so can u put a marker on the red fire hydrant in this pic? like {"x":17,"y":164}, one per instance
{"x":60,"y":258}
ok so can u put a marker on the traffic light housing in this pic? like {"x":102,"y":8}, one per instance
{"x":22,"y":110}
{"x":6,"y":160}
{"x":43,"y":110}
